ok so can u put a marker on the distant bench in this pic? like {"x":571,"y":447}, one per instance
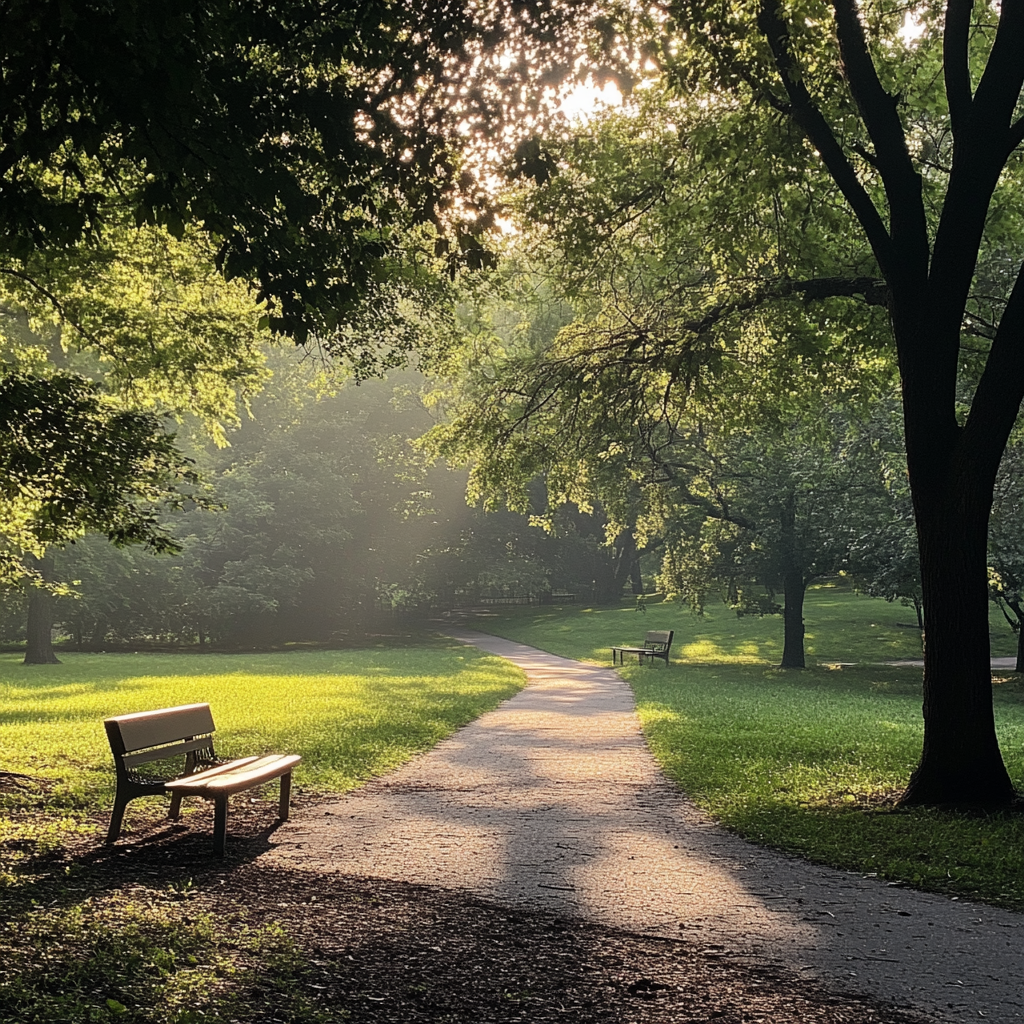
{"x":657,"y":644}
{"x":170,"y":732}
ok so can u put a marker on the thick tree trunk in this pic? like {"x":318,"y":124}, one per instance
{"x":960,"y":762}
{"x":1019,"y":667}
{"x":635,"y":576}
{"x":39,"y":646}
{"x":794,"y":588}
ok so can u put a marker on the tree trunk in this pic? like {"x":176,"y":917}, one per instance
{"x":794,"y":588}
{"x":1019,"y":667}
{"x":626,"y":564}
{"x":39,"y":646}
{"x":635,"y":576}
{"x":960,"y":761}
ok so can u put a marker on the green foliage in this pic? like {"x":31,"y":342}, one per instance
{"x":644,"y":350}
{"x":322,"y":519}
{"x":351,"y":714}
{"x":72,"y":460}
{"x":317,"y":148}
{"x":145,"y":312}
{"x":101,"y":347}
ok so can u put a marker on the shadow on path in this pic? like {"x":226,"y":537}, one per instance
{"x":553,"y":802}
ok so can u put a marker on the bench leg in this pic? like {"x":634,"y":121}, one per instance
{"x":116,"y":818}
{"x":286,"y":796}
{"x":174,"y":811}
{"x":220,"y":824}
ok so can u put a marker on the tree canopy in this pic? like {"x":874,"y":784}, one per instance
{"x":307,"y":140}
{"x":823,"y":152}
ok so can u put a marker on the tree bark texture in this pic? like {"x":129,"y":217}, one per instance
{"x":952,"y":478}
{"x":39,"y":645}
{"x":793,"y":615}
{"x":793,"y":587}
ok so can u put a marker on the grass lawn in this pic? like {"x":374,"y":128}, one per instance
{"x":808,"y":761}
{"x":350,"y":714}
{"x":841,"y":626}
{"x":77,"y":945}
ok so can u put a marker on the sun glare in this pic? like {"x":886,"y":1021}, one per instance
{"x":586,"y":100}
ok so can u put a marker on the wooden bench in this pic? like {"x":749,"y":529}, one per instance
{"x":170,"y":732}
{"x":657,"y":644}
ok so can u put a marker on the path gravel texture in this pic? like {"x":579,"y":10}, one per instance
{"x":553,"y":801}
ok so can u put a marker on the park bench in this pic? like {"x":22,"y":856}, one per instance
{"x":657,"y":644}
{"x":168,"y":733}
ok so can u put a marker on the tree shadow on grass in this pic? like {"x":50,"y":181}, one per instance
{"x":157,"y":923}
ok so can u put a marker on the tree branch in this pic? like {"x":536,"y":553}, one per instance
{"x":999,"y":89}
{"x":907,"y":222}
{"x":1001,"y":388}
{"x":59,"y":307}
{"x":955,"y":39}
{"x":810,"y":119}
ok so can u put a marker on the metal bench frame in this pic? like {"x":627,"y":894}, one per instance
{"x":188,"y":729}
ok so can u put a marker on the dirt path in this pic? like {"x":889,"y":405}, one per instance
{"x":553,"y":801}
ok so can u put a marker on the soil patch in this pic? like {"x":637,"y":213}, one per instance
{"x":386,"y":951}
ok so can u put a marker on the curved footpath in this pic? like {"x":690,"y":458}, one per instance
{"x":553,"y":801}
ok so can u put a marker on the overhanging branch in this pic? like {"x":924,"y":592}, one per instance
{"x":809,"y":118}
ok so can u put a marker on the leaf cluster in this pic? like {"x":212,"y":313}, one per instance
{"x":307,"y":141}
{"x":72,"y":459}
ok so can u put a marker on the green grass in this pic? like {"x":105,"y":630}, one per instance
{"x":841,"y":626}
{"x":148,"y":957}
{"x":807,"y":761}
{"x":73,"y":949}
{"x":350,"y":714}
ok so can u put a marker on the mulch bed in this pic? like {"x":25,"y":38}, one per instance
{"x":384,"y":951}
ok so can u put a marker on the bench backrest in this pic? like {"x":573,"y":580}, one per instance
{"x":659,"y":639}
{"x":153,"y":735}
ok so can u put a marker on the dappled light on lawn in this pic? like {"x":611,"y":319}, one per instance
{"x":350,"y":714}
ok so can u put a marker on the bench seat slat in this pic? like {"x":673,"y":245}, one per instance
{"x":238,"y":775}
{"x":199,"y":779}
{"x":247,"y":777}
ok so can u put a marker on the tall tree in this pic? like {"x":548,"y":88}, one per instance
{"x":920,"y":169}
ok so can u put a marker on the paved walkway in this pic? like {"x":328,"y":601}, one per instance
{"x":553,"y":801}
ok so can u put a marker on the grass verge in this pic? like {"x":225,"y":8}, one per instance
{"x":842,"y":626}
{"x":350,"y":714}
{"x":806,"y":761}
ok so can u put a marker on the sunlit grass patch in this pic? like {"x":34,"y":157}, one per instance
{"x":812,"y":762}
{"x":841,"y":626}
{"x":350,"y":714}
{"x":707,"y":651}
